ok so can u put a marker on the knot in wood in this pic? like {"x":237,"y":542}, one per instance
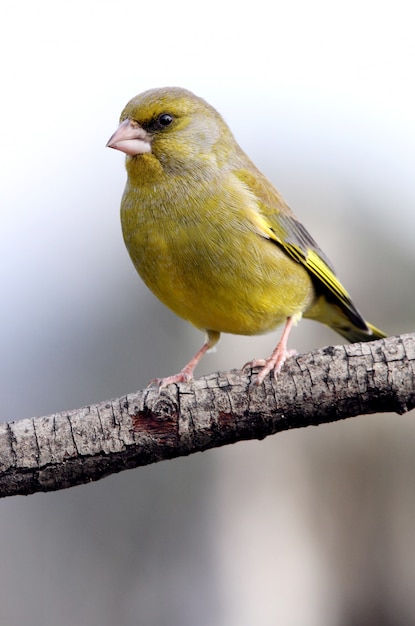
{"x":164,"y":407}
{"x":158,"y":419}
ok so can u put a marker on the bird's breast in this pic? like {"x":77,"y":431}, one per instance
{"x":213,"y":269}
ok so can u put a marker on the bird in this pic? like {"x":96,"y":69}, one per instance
{"x":212,"y":237}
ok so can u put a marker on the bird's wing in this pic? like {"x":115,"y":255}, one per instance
{"x":277,"y":223}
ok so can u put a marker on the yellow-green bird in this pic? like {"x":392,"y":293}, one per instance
{"x":211,"y":236}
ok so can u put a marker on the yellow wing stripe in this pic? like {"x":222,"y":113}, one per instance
{"x":319,"y":269}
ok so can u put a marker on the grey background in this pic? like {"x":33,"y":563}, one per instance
{"x":313,"y":527}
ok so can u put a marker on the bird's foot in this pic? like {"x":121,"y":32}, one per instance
{"x":186,"y":374}
{"x":254,"y":363}
{"x":277,"y":359}
{"x":273,"y":364}
{"x":182,"y":377}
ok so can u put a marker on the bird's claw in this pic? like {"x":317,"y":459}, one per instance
{"x":254,"y":363}
{"x":160,"y":383}
{"x":273,"y":364}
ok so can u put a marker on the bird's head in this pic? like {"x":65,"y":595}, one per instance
{"x":175,"y":127}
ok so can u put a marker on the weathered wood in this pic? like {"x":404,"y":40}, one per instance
{"x":79,"y":446}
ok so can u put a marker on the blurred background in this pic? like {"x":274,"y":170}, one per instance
{"x":308,"y":528}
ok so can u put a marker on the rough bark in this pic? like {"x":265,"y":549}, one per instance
{"x":79,"y":446}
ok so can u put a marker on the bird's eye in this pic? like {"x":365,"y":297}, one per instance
{"x":164,"y":120}
{"x":158,"y":123}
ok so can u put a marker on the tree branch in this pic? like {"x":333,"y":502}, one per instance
{"x":79,"y":446}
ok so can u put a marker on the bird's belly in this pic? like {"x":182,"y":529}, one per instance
{"x":245,"y":288}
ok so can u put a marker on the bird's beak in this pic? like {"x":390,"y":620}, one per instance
{"x":130,"y":138}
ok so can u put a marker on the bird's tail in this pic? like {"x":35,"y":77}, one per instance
{"x":345,"y":319}
{"x":354,"y":334}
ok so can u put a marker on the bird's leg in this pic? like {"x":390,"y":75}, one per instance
{"x":186,"y":374}
{"x":277,"y":359}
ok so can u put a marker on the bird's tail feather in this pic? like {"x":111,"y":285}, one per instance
{"x":354,"y":334}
